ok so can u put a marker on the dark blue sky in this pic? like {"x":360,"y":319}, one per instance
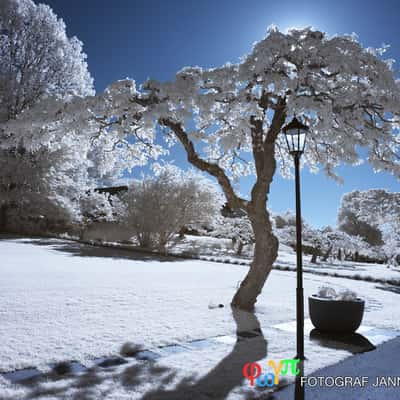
{"x":155,"y":38}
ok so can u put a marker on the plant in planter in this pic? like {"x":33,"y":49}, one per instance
{"x":336,"y":312}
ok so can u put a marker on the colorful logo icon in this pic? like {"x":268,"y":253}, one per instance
{"x":253,"y":372}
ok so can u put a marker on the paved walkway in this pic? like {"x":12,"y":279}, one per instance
{"x":378,"y":364}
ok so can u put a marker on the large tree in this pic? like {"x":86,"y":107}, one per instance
{"x":37,"y":58}
{"x":228,"y":120}
{"x":39,"y":175}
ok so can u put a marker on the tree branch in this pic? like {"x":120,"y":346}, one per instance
{"x":234,"y":201}
{"x":264,"y":152}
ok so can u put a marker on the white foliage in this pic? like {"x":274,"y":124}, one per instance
{"x":37,"y":59}
{"x":235,"y":228}
{"x":158,"y":207}
{"x":380,"y":209}
{"x":97,"y":207}
{"x":347,"y":95}
{"x":344,"y":92}
{"x":45,"y":159}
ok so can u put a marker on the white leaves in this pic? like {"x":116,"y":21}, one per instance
{"x":37,"y":59}
{"x":345,"y":93}
{"x":96,"y":207}
{"x":374,"y":209}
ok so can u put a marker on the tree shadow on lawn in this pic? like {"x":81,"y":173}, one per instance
{"x":87,"y":250}
{"x":8,"y":236}
{"x":216,"y":384}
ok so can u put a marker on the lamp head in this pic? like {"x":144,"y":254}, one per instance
{"x":295,"y":134}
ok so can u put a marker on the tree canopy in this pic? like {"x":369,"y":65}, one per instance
{"x":37,"y":58}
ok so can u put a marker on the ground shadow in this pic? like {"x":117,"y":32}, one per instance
{"x":10,"y":236}
{"x":351,"y":342}
{"x":227,"y":374}
{"x":87,"y":250}
{"x":250,"y":346}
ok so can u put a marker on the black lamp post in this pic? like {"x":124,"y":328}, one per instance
{"x":295,"y":134}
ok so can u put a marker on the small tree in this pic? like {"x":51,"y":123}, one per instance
{"x":158,"y":207}
{"x":285,"y":230}
{"x":236,"y":228}
{"x":98,"y":207}
{"x":284,"y":220}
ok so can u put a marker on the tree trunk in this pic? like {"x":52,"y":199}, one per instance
{"x":327,"y":254}
{"x":3,"y":218}
{"x":265,"y":254}
{"x":239,"y":248}
{"x":263,"y":149}
{"x":314,"y":257}
{"x":182,"y":232}
{"x":347,"y":255}
{"x":266,"y":244}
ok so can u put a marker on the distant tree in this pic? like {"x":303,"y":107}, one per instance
{"x":350,"y":224}
{"x":391,"y":237}
{"x":284,"y":220}
{"x":339,"y":244}
{"x":285,"y":230}
{"x":236,"y":228}
{"x":375,"y":215}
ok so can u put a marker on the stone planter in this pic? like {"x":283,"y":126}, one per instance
{"x":332,"y":315}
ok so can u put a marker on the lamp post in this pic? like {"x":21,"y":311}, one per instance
{"x":295,"y":134}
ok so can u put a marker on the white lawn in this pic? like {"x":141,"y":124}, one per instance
{"x":64,"y":301}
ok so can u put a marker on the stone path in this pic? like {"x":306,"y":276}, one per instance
{"x":365,"y":340}
{"x":71,"y":367}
